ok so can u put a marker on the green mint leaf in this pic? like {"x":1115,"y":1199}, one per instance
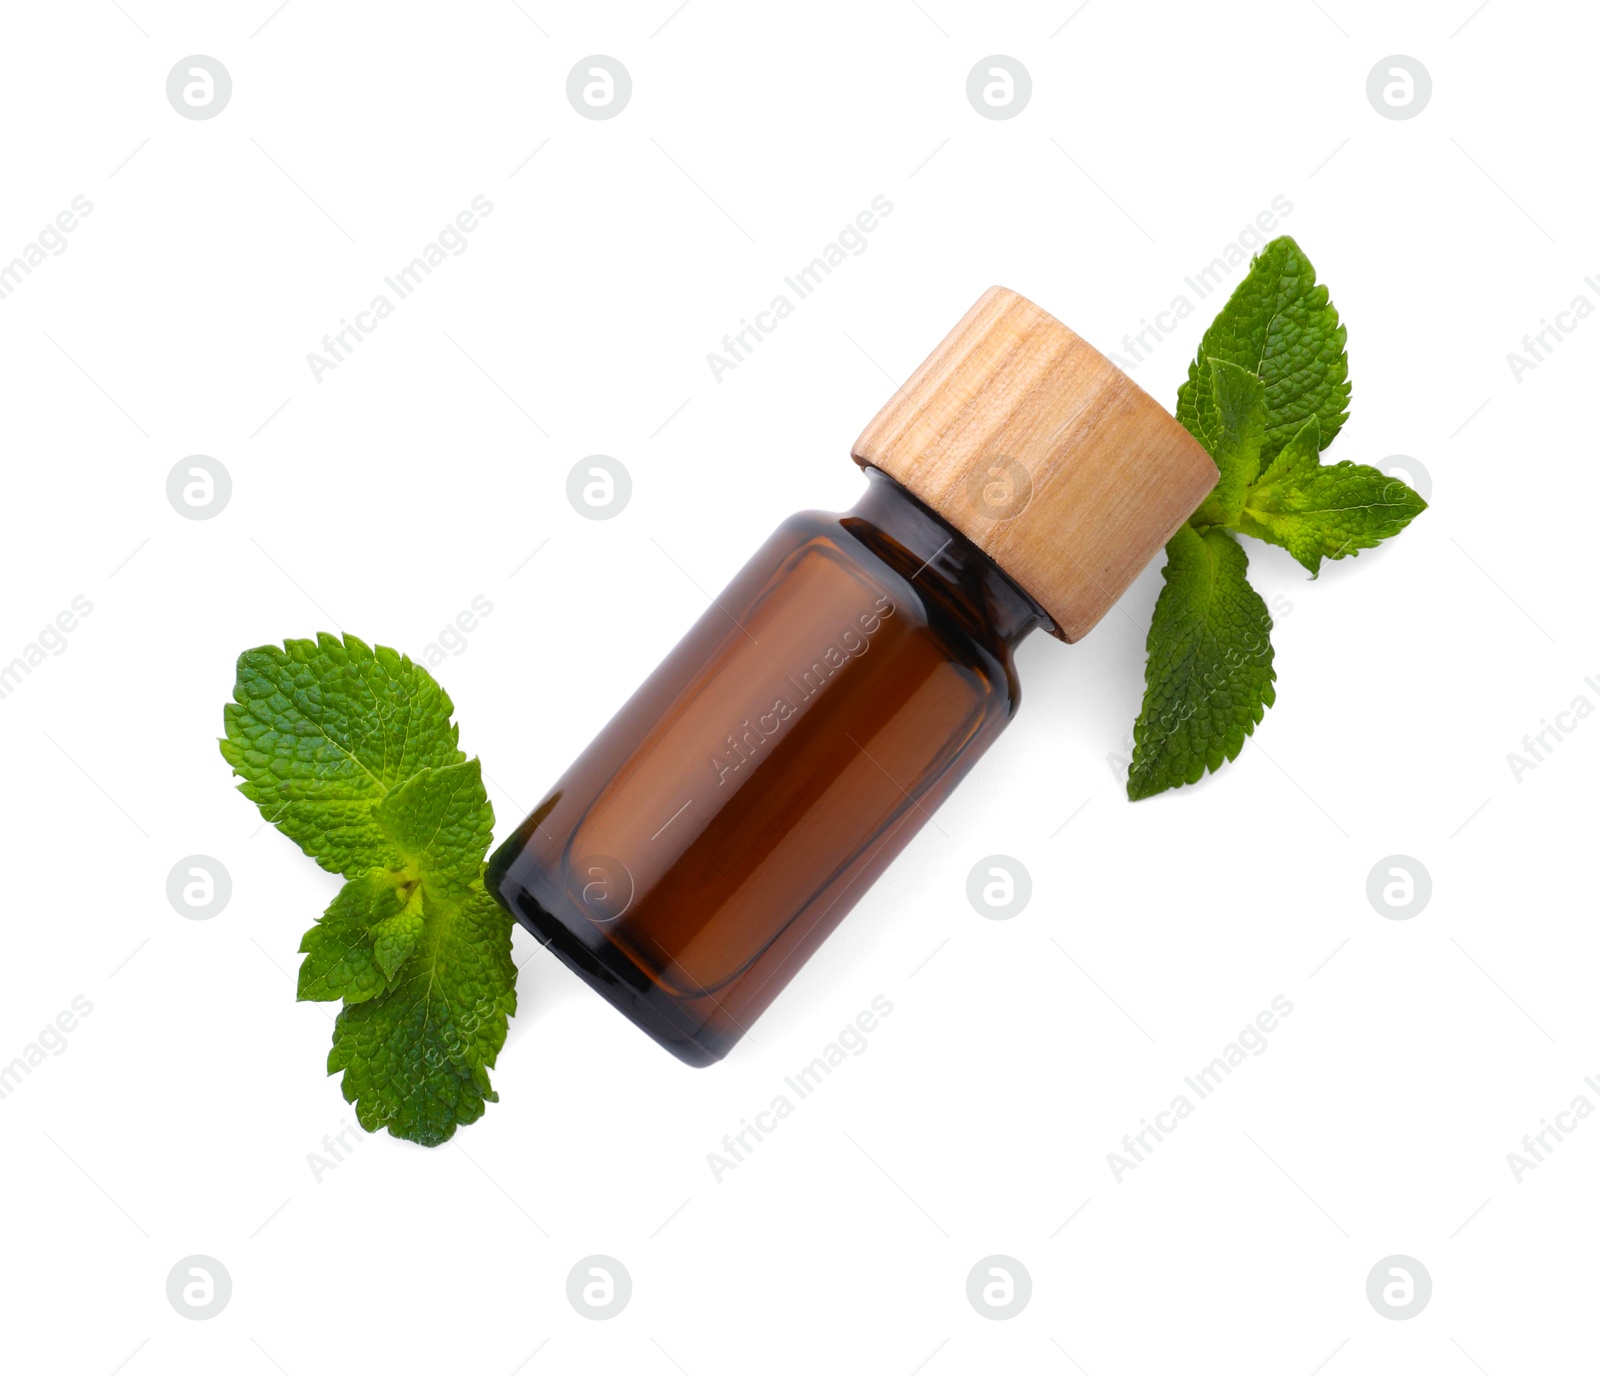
{"x":340,"y":961}
{"x":395,"y":938}
{"x":1280,"y":325}
{"x":1208,"y":677}
{"x":321,"y":732}
{"x":1320,"y":511}
{"x":417,"y":1060}
{"x":440,"y":822}
{"x":1236,"y":427}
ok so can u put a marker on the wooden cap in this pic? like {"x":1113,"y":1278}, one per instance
{"x":1044,"y":454}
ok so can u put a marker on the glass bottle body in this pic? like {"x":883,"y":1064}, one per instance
{"x":770,"y":769}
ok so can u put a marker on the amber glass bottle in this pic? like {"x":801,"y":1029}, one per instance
{"x":771,"y":768}
{"x":782,"y":756}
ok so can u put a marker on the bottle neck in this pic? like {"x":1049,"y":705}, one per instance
{"x":947,"y":568}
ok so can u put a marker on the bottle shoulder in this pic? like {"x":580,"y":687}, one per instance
{"x":901,"y":578}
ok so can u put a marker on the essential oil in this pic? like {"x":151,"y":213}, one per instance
{"x":808,"y":725}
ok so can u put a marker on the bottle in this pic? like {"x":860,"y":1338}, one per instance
{"x":808,"y":725}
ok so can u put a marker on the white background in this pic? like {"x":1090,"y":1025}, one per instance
{"x":427,"y":468}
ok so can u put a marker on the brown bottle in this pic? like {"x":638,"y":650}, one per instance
{"x":801,"y":734}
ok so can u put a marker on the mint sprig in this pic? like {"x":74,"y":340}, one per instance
{"x":351,"y":753}
{"x":1267,"y":392}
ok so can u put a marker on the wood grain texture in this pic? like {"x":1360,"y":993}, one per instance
{"x":1044,"y":454}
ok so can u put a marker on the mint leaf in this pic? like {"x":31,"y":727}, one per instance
{"x":341,"y":962}
{"x":322,"y":732}
{"x":1236,"y":426}
{"x":1322,"y":511}
{"x":440,"y":823}
{"x":396,"y":937}
{"x":417,"y":1060}
{"x":1280,"y":325}
{"x":1208,"y":677}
